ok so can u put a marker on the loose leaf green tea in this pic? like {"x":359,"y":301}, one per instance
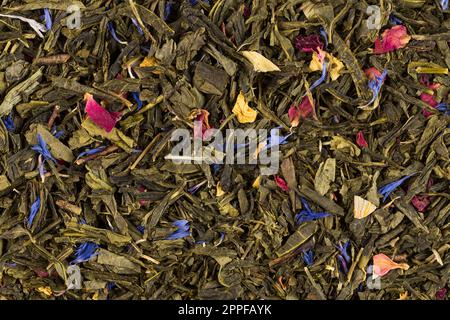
{"x":210,"y":149}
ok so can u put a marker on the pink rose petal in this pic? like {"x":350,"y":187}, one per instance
{"x":281,"y":183}
{"x":441,"y":294}
{"x":308,"y":43}
{"x":392,"y":39}
{"x":101,"y":117}
{"x":427,"y":98}
{"x":199,"y":133}
{"x":303,"y":110}
{"x":361,"y":141}
{"x":421,"y":202}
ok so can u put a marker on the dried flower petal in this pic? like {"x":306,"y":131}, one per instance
{"x":259,"y":62}
{"x":300,"y":111}
{"x":360,"y":140}
{"x":182,"y":232}
{"x":85,"y":252}
{"x":99,"y":115}
{"x":281,"y":183}
{"x":382,"y":264}
{"x":390,"y":187}
{"x":243,"y":112}
{"x":392,"y":39}
{"x":308,"y":43}
{"x":421,"y":202}
{"x":202,"y":117}
{"x":33,"y":211}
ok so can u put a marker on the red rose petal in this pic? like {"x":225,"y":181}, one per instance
{"x":98,"y":114}
{"x":392,"y":39}
{"x":361,"y":141}
{"x":281,"y":183}
{"x":308,"y":43}
{"x":421,"y":202}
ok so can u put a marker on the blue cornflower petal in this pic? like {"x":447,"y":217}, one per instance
{"x":201,"y":242}
{"x":394,"y":20}
{"x":88,"y":152}
{"x":194,"y":2}
{"x":48,"y":19}
{"x":41,"y":147}
{"x":444,"y":5}
{"x":135,"y":96}
{"x":9,"y":123}
{"x":304,"y":216}
{"x":139,"y":29}
{"x":375,"y":86}
{"x":113,"y":33}
{"x":343,"y":264}
{"x":182,"y":232}
{"x":389,"y":188}
{"x":167,"y":10}
{"x":308,"y":257}
{"x":141,"y":229}
{"x":443,"y":107}
{"x":343,"y":250}
{"x":181,"y":224}
{"x":308,"y":215}
{"x":195,"y":188}
{"x":34,"y":209}
{"x":57,"y":134}
{"x":110,"y":285}
{"x":85,"y":252}
{"x":82,"y":221}
{"x":322,"y":77}
{"x":305,"y":205}
{"x":324,"y":34}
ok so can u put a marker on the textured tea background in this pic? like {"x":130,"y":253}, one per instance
{"x":84,"y":180}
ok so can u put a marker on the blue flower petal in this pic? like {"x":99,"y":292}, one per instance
{"x":48,"y":19}
{"x":41,"y":147}
{"x":343,"y":250}
{"x":322,"y":77}
{"x":394,"y":20}
{"x":136,"y":98}
{"x":308,"y":257}
{"x":34,"y":209}
{"x":167,"y":10}
{"x":343,"y":264}
{"x":85,"y":252}
{"x":389,"y":188}
{"x":139,"y":29}
{"x":113,"y":33}
{"x":375,"y":86}
{"x":308,"y":215}
{"x":9,"y":123}
{"x":324,"y":34}
{"x":88,"y":152}
{"x":443,"y":107}
{"x":182,"y":232}
{"x":141,"y":229}
{"x":444,"y":5}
